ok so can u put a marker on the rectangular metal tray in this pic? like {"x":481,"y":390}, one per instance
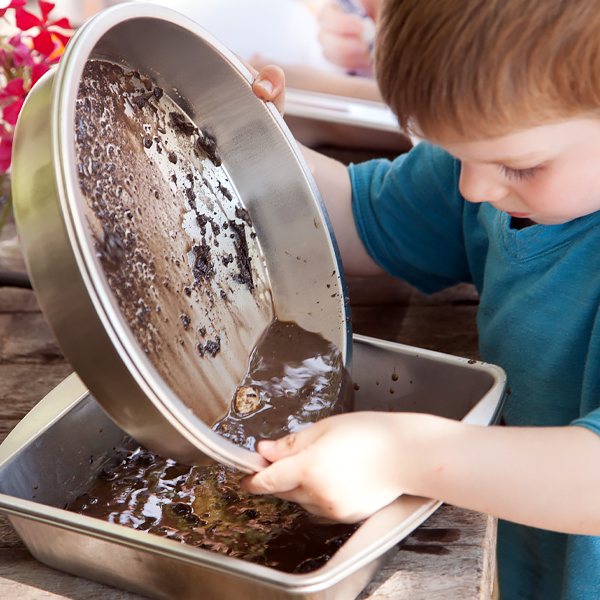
{"x":58,"y":449}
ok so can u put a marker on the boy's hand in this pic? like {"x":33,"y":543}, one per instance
{"x":342,"y":468}
{"x":269,"y":84}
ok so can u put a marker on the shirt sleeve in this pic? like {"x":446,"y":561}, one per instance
{"x":409,"y":216}
{"x":590,"y":421}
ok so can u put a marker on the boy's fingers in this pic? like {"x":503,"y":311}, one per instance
{"x":278,"y":449}
{"x":278,"y":478}
{"x":269,"y":86}
{"x":298,"y":495}
{"x":289,"y":445}
{"x":347,"y":52}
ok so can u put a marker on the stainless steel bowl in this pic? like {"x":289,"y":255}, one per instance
{"x":302,"y":269}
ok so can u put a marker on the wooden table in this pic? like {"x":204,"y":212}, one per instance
{"x":450,"y":557}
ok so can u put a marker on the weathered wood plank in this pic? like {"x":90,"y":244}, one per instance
{"x":25,"y":337}
{"x":8,"y":536}
{"x":24,"y":385}
{"x":450,"y":557}
{"x":14,"y":300}
{"x":453,"y":575}
{"x":385,"y":289}
{"x":390,"y":309}
{"x":24,"y":578}
{"x":421,"y":326}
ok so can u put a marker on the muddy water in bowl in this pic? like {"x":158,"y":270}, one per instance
{"x":295,"y":378}
{"x":182,"y":260}
{"x":178,"y":250}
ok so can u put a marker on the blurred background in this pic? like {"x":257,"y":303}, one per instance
{"x":283,"y":30}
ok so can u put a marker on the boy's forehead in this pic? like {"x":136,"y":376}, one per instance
{"x":524,"y":145}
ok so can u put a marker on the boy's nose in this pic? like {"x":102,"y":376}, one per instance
{"x":480,"y":183}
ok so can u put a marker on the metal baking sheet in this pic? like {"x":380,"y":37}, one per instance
{"x":58,"y":449}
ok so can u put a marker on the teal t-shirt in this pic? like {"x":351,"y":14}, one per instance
{"x":538,"y":319}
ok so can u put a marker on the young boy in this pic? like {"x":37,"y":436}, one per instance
{"x":506,"y":196}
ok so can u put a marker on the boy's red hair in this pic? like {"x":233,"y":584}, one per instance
{"x":481,"y":68}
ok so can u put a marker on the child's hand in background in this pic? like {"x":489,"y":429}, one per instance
{"x":344,"y":36}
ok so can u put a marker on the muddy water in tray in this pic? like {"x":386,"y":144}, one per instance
{"x":205,"y":507}
{"x":183,"y":263}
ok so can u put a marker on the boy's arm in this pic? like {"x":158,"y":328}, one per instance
{"x":332,"y":179}
{"x":348,"y":466}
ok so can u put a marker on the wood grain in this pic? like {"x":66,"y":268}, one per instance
{"x":23,"y":577}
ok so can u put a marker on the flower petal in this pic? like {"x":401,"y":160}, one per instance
{"x":5,"y":134}
{"x":62,"y":23}
{"x":37,"y":70}
{"x":21,"y":54}
{"x":5,"y":154}
{"x":64,"y":38}
{"x":26,"y":20}
{"x":46,"y":8}
{"x":15,"y":87}
{"x":43,"y":43}
{"x":11,"y":112}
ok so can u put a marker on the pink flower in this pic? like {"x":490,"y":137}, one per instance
{"x":15,"y":55}
{"x":24,"y":58}
{"x":44,"y":41}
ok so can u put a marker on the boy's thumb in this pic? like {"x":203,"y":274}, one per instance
{"x":278,"y":449}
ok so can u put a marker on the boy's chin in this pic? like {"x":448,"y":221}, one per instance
{"x":550,"y":220}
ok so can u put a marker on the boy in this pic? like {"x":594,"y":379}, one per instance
{"x":506,"y":196}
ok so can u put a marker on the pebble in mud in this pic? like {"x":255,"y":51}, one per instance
{"x":247,"y":400}
{"x":295,"y":378}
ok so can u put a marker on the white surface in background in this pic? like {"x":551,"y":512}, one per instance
{"x":282,"y":30}
{"x":339,"y":109}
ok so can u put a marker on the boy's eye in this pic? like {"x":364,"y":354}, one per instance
{"x":518,"y":174}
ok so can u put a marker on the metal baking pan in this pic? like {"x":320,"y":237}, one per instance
{"x":57,"y":450}
{"x":150,"y":395}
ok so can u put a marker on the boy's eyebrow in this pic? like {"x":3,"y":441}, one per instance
{"x":536,"y":156}
{"x":525,"y":158}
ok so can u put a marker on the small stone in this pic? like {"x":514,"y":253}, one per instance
{"x":247,"y":400}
